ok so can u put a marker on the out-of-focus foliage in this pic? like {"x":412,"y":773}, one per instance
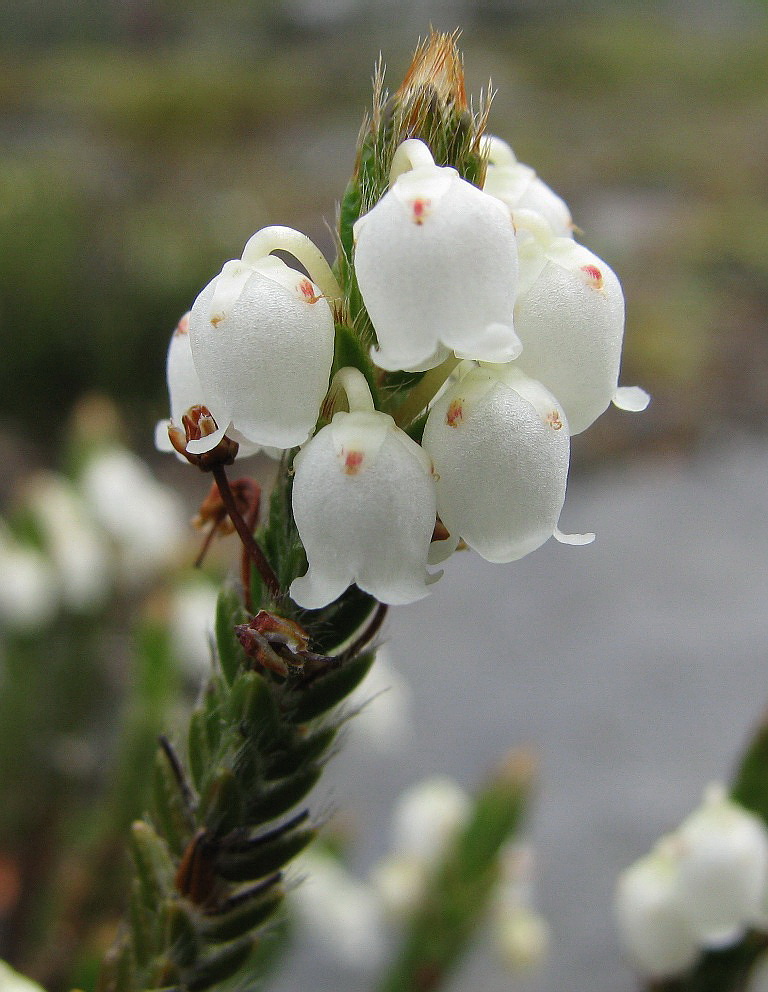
{"x":143,"y":143}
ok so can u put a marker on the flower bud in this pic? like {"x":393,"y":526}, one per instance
{"x":723,"y":855}
{"x":364,"y":505}
{"x":654,"y":927}
{"x":500,"y":447}
{"x":519,"y":188}
{"x":261,"y":335}
{"x":570,"y":319}
{"x":436,"y":263}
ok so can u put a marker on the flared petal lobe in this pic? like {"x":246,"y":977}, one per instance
{"x":500,"y":448}
{"x":436,"y":263}
{"x":262,"y":342}
{"x":364,"y":505}
{"x":571,"y":324}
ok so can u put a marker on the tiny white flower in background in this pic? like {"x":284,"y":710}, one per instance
{"x":192,"y":621}
{"x":29,"y":591}
{"x":500,"y":447}
{"x":569,"y":316}
{"x":426,"y":818}
{"x":262,"y":336}
{"x":77,"y":549}
{"x":12,"y":981}
{"x":364,"y":505}
{"x":385,"y":701}
{"x":436,"y":263}
{"x":653,"y":924}
{"x":342,"y":915}
{"x":723,"y":866}
{"x":521,"y":934}
{"x":519,"y":188}
{"x":144,"y":519}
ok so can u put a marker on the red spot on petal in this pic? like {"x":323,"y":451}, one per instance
{"x":353,"y":461}
{"x":594,"y":276}
{"x":183,"y":325}
{"x":307,"y":290}
{"x":454,"y":416}
{"x":554,"y":421}
{"x":420,"y":210}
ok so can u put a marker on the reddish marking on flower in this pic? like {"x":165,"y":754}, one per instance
{"x":454,"y":416}
{"x":594,"y":276}
{"x":183,"y":325}
{"x":353,"y":461}
{"x":307,"y":290}
{"x":420,"y":210}
{"x":554,"y":421}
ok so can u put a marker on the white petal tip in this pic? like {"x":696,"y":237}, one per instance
{"x":577,"y":540}
{"x":162,"y":441}
{"x":633,"y":399}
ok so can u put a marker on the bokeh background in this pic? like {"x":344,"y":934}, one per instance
{"x":143,"y":142}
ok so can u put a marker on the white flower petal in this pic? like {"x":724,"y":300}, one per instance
{"x":576,"y":539}
{"x":436,"y":263}
{"x":500,"y":448}
{"x":571,"y":324}
{"x":264,"y":362}
{"x":364,"y":504}
{"x":633,"y":399}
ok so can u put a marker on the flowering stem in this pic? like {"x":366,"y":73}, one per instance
{"x":305,"y":251}
{"x":249,"y":542}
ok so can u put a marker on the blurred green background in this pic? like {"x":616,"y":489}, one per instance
{"x":143,"y":142}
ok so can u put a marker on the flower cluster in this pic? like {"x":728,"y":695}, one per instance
{"x":510,"y":333}
{"x":701,"y":887}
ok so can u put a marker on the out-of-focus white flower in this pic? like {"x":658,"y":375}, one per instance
{"x":192,"y":621}
{"x":262,"y":338}
{"x":519,"y":188}
{"x":570,"y":319}
{"x":436,"y":263}
{"x":426,"y":818}
{"x":77,"y":549}
{"x":385,"y":700}
{"x":143,"y":518}
{"x":364,"y":505}
{"x":29,"y":594}
{"x":500,"y":447}
{"x":521,"y":934}
{"x":12,"y":981}
{"x":723,"y":868}
{"x":522,"y":937}
{"x":342,"y":915}
{"x":653,"y":923}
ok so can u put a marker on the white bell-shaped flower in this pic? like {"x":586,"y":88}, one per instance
{"x":519,"y":188}
{"x":570,"y":318}
{"x":652,"y":921}
{"x":436,"y":263}
{"x":723,"y":854}
{"x":500,"y":447}
{"x":364,"y":505}
{"x":262,"y":335}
